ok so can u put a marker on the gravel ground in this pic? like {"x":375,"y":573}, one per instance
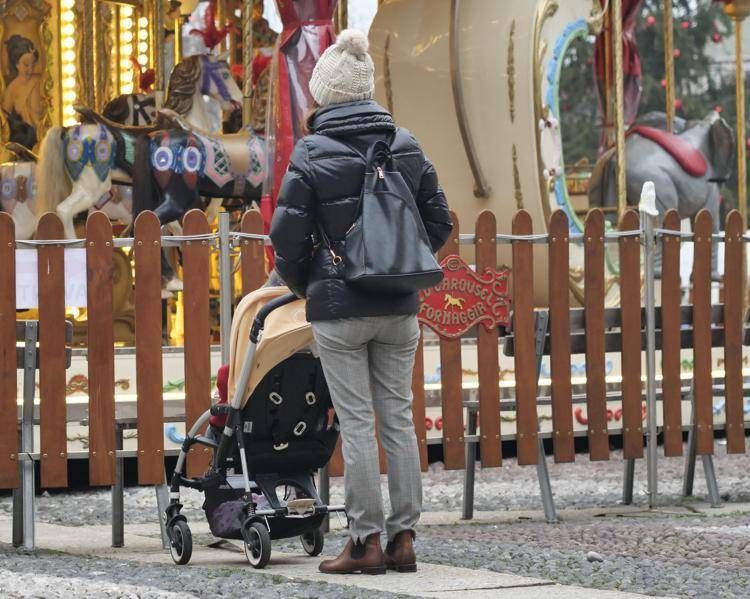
{"x":511,"y":487}
{"x":687,"y":556}
{"x":654,"y":553}
{"x":51,"y":575}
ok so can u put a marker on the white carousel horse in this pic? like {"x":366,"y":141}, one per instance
{"x":18,"y":196}
{"x":79,"y":164}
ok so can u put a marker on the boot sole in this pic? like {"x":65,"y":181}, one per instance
{"x":406,"y":568}
{"x":371,"y":571}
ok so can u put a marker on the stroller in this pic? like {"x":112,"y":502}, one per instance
{"x":278,"y":428}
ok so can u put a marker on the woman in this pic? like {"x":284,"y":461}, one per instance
{"x":367,"y":341}
{"x":22,"y":100}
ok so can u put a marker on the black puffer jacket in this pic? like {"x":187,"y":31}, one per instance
{"x":322,"y":187}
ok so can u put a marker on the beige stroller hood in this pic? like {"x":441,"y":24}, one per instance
{"x":286,"y":332}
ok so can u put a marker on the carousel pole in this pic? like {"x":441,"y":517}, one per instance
{"x":341,"y":17}
{"x":739,"y":10}
{"x":247,"y":61}
{"x":669,"y":62}
{"x":740,"y":99}
{"x":157,"y":39}
{"x":177,"y":39}
{"x":616,"y":20}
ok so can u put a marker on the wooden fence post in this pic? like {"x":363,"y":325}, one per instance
{"x":703,"y":413}
{"x":52,"y":408}
{"x":670,"y":331}
{"x":596,"y":390}
{"x":148,"y":355}
{"x":196,"y":276}
{"x":252,"y":253}
{"x":418,"y":402}
{"x":8,"y":373}
{"x":525,"y":351}
{"x":451,"y":378}
{"x":631,"y":326}
{"x":559,"y":309}
{"x":487,"y":352}
{"x":101,"y":349}
{"x":733,"y":251}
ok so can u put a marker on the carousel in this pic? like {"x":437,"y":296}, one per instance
{"x":83,"y":83}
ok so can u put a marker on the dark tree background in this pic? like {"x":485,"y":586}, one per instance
{"x":704,"y":75}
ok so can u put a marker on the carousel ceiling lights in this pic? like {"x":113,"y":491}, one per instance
{"x":143,"y":42}
{"x":126,"y":49}
{"x":67,"y":61}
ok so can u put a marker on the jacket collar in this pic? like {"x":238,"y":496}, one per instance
{"x":338,"y":120}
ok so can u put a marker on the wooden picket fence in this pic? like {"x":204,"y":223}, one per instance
{"x":99,"y":245}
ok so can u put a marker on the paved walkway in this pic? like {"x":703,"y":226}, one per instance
{"x":142,"y":544}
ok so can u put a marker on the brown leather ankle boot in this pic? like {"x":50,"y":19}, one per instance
{"x":366,"y":558}
{"x":399,"y":553}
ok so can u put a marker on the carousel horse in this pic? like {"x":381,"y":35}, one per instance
{"x":18,"y":195}
{"x":78,"y":164}
{"x":175,"y":167}
{"x":687,"y":168}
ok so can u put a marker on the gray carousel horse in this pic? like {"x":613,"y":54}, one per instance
{"x":687,"y":167}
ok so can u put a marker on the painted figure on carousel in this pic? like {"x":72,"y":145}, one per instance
{"x":22,"y":100}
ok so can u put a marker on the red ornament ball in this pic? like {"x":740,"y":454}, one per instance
{"x":676,"y":53}
{"x":678,"y":104}
{"x":650,"y":20}
{"x":664,"y":83}
{"x":718,"y":108}
{"x":685,"y":25}
{"x":716,"y":37}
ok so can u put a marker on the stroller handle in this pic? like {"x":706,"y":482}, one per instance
{"x":260,"y":318}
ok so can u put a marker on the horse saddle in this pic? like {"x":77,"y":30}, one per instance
{"x":234,"y":156}
{"x":21,"y":152}
{"x":688,"y":157}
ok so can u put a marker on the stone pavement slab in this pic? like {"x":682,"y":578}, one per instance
{"x":142,"y":544}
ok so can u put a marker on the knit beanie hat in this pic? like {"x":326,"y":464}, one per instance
{"x":344,"y":72}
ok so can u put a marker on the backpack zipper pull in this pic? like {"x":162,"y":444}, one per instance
{"x":380,"y":172}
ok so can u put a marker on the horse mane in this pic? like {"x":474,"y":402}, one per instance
{"x":183,"y":83}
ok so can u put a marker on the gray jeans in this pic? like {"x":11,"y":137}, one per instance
{"x":368,"y":364}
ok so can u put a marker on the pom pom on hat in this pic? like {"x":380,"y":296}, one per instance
{"x":344,"y":72}
{"x":354,"y":42}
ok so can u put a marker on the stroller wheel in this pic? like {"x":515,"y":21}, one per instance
{"x":181,"y":546}
{"x":257,"y":545}
{"x":312,"y":542}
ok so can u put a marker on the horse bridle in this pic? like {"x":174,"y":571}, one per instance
{"x":212,"y":74}
{"x":139,"y":109}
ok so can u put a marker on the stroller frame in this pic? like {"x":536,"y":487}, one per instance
{"x":258,"y":526}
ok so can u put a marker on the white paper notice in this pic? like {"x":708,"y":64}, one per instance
{"x":27,"y":282}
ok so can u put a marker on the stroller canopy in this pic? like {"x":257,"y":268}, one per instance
{"x":286,"y":332}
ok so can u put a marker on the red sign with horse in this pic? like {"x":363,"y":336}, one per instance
{"x":465,"y":298}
